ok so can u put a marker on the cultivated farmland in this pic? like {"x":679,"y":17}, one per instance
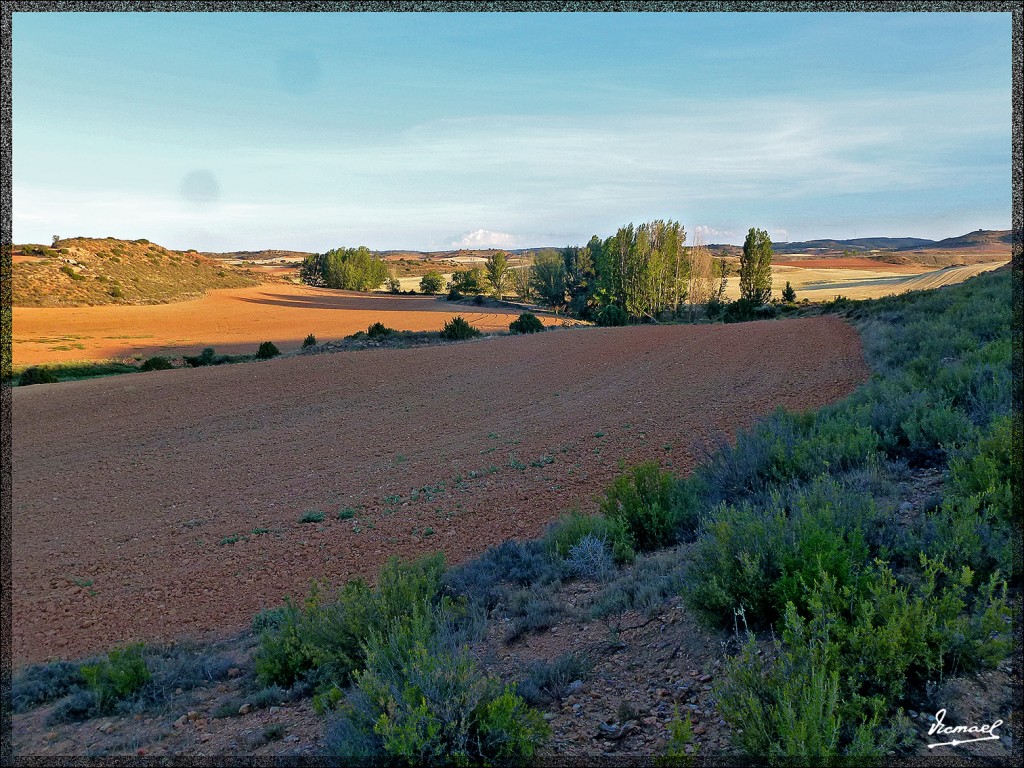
{"x":169,"y":503}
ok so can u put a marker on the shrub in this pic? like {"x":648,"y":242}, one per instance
{"x":431,"y":706}
{"x":652,"y":580}
{"x":39,"y":683}
{"x":590,"y":558}
{"x":986,"y":471}
{"x":458,"y":329}
{"x":207,"y":357}
{"x":566,"y":532}
{"x":741,"y":311}
{"x":116,"y":292}
{"x":37,"y":374}
{"x":71,"y":273}
{"x":478,"y":299}
{"x":379,"y":331}
{"x":322,"y":641}
{"x":548,"y":681}
{"x":309,"y":341}
{"x":121,"y":674}
{"x":526,"y":323}
{"x":648,"y":502}
{"x":612,"y":315}
{"x":756,"y":557}
{"x":267,"y":350}
{"x":312,"y":517}
{"x":432,"y":282}
{"x":789,"y":294}
{"x":455,"y":295}
{"x":158,"y":363}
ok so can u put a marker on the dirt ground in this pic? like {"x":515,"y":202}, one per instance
{"x":233,"y":321}
{"x":825,"y":283}
{"x":168,"y":504}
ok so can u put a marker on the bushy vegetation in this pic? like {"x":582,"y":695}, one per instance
{"x":458,"y":329}
{"x":157,"y":363}
{"x":432,"y":282}
{"x":309,"y":341}
{"x":653,"y":507}
{"x":526,"y":323}
{"x":37,"y":374}
{"x":116,"y":677}
{"x":801,"y":529}
{"x":414,"y":696}
{"x":208,"y":356}
{"x":611,"y":316}
{"x":379,"y":331}
{"x":353,"y":269}
{"x":267,"y":350}
{"x":111,"y":271}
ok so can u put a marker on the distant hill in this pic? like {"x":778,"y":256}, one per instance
{"x":84,"y":271}
{"x":267,"y":255}
{"x":856,"y":244}
{"x":994,"y":239}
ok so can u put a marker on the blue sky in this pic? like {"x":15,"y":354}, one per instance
{"x":432,"y":131}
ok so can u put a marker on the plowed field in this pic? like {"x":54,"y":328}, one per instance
{"x":234,"y":321}
{"x":164,"y":504}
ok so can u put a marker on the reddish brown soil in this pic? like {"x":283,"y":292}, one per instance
{"x":234,"y":321}
{"x":125,"y":487}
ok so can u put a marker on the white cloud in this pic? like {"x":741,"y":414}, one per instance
{"x":483,"y":238}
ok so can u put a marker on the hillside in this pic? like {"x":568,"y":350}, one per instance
{"x":862,"y":244}
{"x":982,"y":238}
{"x":84,"y":271}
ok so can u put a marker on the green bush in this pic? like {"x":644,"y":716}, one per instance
{"x":312,"y":517}
{"x":71,"y":273}
{"x":566,"y":532}
{"x":455,"y":295}
{"x":526,"y":323}
{"x":789,"y":709}
{"x":432,"y":282}
{"x":651,"y":506}
{"x":37,"y":374}
{"x":379,"y":331}
{"x":429,"y":705}
{"x":207,"y":357}
{"x":458,"y":329}
{"x":121,"y":674}
{"x":321,"y":641}
{"x":116,"y":292}
{"x":158,"y":363}
{"x":612,"y":315}
{"x":309,"y":341}
{"x":757,"y":557}
{"x":986,"y":472}
{"x":267,"y":350}
{"x":789,"y":294}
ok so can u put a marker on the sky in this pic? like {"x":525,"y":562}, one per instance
{"x":432,"y":131}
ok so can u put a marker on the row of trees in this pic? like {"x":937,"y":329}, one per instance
{"x":352,"y":269}
{"x":646,"y":271}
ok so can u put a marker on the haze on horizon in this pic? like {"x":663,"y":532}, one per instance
{"x":244,"y":131}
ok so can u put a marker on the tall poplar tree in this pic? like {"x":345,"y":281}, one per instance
{"x":756,"y":267}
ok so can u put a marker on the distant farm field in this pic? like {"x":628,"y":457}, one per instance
{"x":171,"y":503}
{"x":233,"y":321}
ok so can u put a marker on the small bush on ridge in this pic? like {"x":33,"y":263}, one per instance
{"x":526,"y":323}
{"x":267,"y":350}
{"x":37,"y":374}
{"x":458,"y":329}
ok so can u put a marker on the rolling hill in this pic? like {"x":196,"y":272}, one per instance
{"x":84,"y":271}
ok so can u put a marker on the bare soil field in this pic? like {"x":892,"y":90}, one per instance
{"x":825,"y":283}
{"x":234,"y":321}
{"x":168,"y":504}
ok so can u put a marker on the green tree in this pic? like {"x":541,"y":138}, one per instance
{"x":788,"y":293}
{"x":498,"y":274}
{"x":352,"y":269}
{"x":756,"y":267}
{"x":549,"y":277}
{"x":432,"y":282}
{"x":468,"y":281}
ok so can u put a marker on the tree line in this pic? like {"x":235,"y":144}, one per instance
{"x":644,"y":272}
